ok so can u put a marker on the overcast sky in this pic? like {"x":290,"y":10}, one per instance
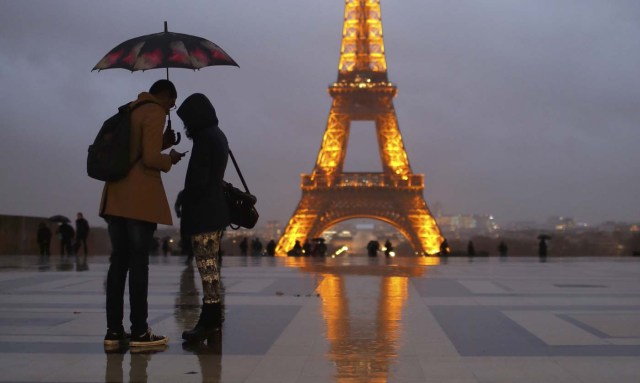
{"x":520,"y":109}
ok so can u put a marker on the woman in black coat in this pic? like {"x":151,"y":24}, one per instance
{"x":205,"y":213}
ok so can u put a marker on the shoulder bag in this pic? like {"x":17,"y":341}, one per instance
{"x":242,"y":210}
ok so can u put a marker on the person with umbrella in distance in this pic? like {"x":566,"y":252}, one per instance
{"x":133,"y":207}
{"x":65,"y":234}
{"x":542,"y":246}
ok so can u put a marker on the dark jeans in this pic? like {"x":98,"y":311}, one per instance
{"x":130,"y":243}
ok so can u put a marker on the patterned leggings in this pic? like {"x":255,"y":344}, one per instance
{"x":205,"y":250}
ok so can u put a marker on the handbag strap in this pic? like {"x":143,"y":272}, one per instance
{"x":246,"y":188}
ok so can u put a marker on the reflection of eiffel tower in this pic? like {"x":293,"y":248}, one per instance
{"x":363,"y":93}
{"x":362,"y":307}
{"x":364,"y":339}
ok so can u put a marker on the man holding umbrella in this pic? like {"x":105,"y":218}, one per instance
{"x":133,"y":207}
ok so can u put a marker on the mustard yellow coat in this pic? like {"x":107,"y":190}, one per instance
{"x":140,"y":195}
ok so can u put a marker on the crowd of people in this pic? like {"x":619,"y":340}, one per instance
{"x":71,"y":240}
{"x":314,"y":248}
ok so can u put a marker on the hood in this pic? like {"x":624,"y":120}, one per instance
{"x":197,"y":112}
{"x":146,"y":96}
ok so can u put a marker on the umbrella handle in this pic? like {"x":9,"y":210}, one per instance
{"x":178,"y":135}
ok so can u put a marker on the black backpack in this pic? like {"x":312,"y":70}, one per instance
{"x":108,"y":158}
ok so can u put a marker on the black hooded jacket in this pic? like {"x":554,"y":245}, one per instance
{"x":204,"y":208}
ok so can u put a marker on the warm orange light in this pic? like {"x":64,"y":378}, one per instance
{"x":429,"y":261}
{"x":427,"y":231}
{"x":354,"y":355}
{"x":362,"y":92}
{"x":362,"y":41}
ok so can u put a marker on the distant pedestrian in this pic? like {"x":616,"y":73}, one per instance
{"x":44,"y":239}
{"x":542,"y":249}
{"x":388,"y":248}
{"x":65,"y":234}
{"x":256,"y":246}
{"x":502,"y":249}
{"x":444,"y":248}
{"x":271,"y":248}
{"x":307,"y":249}
{"x":166,"y":245}
{"x":82,"y":232}
{"x":372,"y":248}
{"x":244,"y":246}
{"x":296,"y":250}
{"x":320,"y":248}
{"x":471,"y":250}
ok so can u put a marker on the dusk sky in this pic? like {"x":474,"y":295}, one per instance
{"x":520,"y":109}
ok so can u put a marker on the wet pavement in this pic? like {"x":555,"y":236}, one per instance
{"x":350,"y":319}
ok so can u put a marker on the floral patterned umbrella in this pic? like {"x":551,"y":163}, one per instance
{"x":165,"y":50}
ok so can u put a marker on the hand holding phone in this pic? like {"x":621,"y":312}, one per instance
{"x":176,"y":156}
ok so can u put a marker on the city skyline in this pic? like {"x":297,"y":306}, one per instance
{"x":522,"y":111}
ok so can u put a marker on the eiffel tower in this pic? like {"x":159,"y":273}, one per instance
{"x":363,"y":92}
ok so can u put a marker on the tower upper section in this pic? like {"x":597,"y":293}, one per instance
{"x":362,"y":58}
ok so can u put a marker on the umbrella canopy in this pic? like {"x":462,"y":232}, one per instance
{"x":59,"y":218}
{"x":165,"y":50}
{"x":544,"y":237}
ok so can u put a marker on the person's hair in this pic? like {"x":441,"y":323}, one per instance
{"x":163,"y":86}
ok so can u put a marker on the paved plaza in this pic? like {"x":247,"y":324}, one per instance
{"x":349,"y":319}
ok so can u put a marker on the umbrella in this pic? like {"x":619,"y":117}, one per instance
{"x":59,"y":218}
{"x":165,"y":50}
{"x":544,"y":237}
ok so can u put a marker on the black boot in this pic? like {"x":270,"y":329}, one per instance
{"x":210,"y":321}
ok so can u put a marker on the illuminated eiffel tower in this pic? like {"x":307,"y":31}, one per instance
{"x":362,"y":93}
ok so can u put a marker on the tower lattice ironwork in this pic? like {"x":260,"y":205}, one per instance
{"x":362,"y":92}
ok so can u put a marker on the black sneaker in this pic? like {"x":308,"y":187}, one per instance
{"x":148,"y":339}
{"x":115,"y":339}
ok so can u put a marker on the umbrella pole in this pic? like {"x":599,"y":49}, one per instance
{"x":166,"y":29}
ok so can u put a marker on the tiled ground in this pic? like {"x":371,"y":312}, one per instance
{"x":336,"y":320}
